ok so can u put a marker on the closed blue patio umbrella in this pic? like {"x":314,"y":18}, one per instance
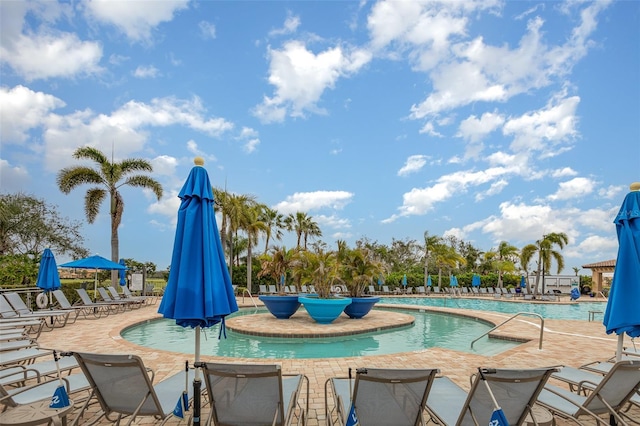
{"x":94,"y":262}
{"x":622,"y":314}
{"x":122,"y":274}
{"x":48,"y":278}
{"x":453,"y":281}
{"x":429,"y":281}
{"x":475,"y":281}
{"x":199,"y":292}
{"x":523,"y":282}
{"x":404,"y":281}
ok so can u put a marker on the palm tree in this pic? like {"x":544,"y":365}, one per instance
{"x":430,"y":243}
{"x":108,"y":177}
{"x":275,"y":225}
{"x":277,"y":263}
{"x":546,"y":252}
{"x":359,"y":269}
{"x":253,"y":226}
{"x":506,"y":254}
{"x":318,"y":268}
{"x":304,"y":226}
{"x":446,"y":257}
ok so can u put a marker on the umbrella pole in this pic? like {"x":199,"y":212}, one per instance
{"x":95,"y":286}
{"x":619,"y":349}
{"x":197,"y":384}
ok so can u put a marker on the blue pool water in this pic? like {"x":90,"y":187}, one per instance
{"x":429,"y":330}
{"x":575,"y":311}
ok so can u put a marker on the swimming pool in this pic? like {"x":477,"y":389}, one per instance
{"x":429,"y":330}
{"x":566,"y":311}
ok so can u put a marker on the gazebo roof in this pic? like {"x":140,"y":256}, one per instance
{"x":604,"y":264}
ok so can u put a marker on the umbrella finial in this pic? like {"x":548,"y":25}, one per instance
{"x":635,"y":186}
{"x":198,"y":161}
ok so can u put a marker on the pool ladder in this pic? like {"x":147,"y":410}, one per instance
{"x":513,"y":317}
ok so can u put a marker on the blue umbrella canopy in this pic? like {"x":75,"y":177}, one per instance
{"x":622,"y":314}
{"x":122,"y":274}
{"x":198,"y":291}
{"x":523,"y":282}
{"x":48,"y":278}
{"x":429,"y":281}
{"x":475,"y":281}
{"x":453,"y":281}
{"x":93,"y":262}
{"x":404,"y":280}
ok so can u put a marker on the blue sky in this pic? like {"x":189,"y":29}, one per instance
{"x":487,"y":120}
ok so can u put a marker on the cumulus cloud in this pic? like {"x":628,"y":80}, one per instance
{"x":573,"y":188}
{"x":290,"y":26}
{"x":413,"y":164}
{"x":308,"y":201}
{"x":22,"y":110}
{"x":301,"y":76}
{"x":136,"y":19}
{"x":146,"y":71}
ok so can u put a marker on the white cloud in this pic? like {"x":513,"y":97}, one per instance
{"x":13,"y":178}
{"x":308,"y":201}
{"x":22,"y":109}
{"x":207,"y":30}
{"x":563,"y":172}
{"x":475,"y":129}
{"x":545,"y":129}
{"x":574,"y":188}
{"x":332,"y":221}
{"x":44,"y":56}
{"x":414,"y":164}
{"x":290,"y":26}
{"x":146,"y":71}
{"x":43,"y":52}
{"x":300,"y":77}
{"x":136,"y":19}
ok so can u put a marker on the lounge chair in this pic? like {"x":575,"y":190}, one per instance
{"x":475,"y":291}
{"x":385,"y":289}
{"x":24,"y":395}
{"x":23,"y":356}
{"x":272,"y":289}
{"x":124,"y":387}
{"x":515,"y":390}
{"x":420,"y":290}
{"x":92,"y":311}
{"x":372,"y":289}
{"x":130,"y":304}
{"x":86,"y":301}
{"x":608,"y":394}
{"x":38,"y":371}
{"x":149,"y":299}
{"x":380,"y":396}
{"x":254,"y":394}
{"x":262,"y":289}
{"x":7,"y":311}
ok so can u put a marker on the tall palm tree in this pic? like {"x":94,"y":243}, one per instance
{"x":275,"y":225}
{"x":505,"y":262}
{"x":446,"y":257}
{"x":277,"y":263}
{"x":304,"y":226}
{"x":546,"y":253}
{"x":106,"y":179}
{"x":253,"y":227}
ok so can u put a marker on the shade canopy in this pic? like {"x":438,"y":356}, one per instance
{"x":523,"y":282}
{"x":404,"y":280}
{"x":48,"y":278}
{"x":93,"y":262}
{"x":453,"y":281}
{"x":622,"y":314}
{"x":198,"y":291}
{"x":429,"y":281}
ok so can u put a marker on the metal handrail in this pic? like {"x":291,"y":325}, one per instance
{"x":515,"y":316}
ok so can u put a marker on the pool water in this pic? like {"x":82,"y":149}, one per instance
{"x":565,"y":311}
{"x":429,"y":330}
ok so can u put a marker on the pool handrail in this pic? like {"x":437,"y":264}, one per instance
{"x":509,"y":319}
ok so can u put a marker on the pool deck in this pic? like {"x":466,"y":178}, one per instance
{"x":565,"y":342}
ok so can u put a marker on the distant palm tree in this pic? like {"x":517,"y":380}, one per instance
{"x":277,"y":263}
{"x":253,"y":227}
{"x":108,"y":177}
{"x":275,"y":225}
{"x":505,"y":262}
{"x":304,"y":226}
{"x":546,"y":252}
{"x":446,"y":257}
